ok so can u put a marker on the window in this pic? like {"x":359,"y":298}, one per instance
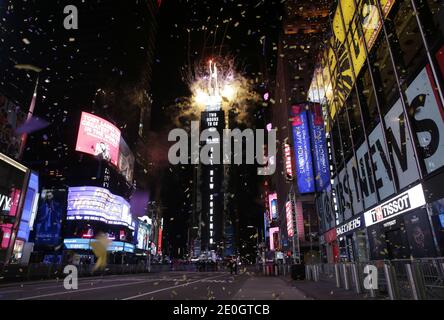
{"x":354,"y":114}
{"x":406,"y":41}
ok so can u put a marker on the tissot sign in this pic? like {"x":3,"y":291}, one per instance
{"x":407,"y":201}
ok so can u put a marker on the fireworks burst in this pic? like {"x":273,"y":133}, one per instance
{"x":217,"y":83}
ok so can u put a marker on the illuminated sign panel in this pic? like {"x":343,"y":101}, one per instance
{"x":289,"y":211}
{"x":274,"y":238}
{"x":405,"y":202}
{"x":98,"y":137}
{"x":288,"y":163}
{"x":143,"y":236}
{"x":302,"y":150}
{"x":85,"y":244}
{"x":98,"y":204}
{"x":320,"y":154}
{"x":272,"y":200}
{"x":334,"y":77}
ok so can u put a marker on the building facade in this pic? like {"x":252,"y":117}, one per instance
{"x":379,"y":79}
{"x":291,"y":217}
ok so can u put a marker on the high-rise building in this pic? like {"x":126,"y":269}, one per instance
{"x":96,"y":109}
{"x":290,"y":194}
{"x":379,"y":78}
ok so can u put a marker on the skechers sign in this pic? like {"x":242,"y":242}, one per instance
{"x":350,"y":226}
{"x":302,"y":149}
{"x":407,"y":201}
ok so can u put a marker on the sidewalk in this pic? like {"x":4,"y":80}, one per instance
{"x":269,"y":288}
{"x":326,"y":290}
{"x":284,"y":288}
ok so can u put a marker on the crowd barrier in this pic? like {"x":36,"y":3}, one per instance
{"x":416,"y":279}
{"x":275,"y":270}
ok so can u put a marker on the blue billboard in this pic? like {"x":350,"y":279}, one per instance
{"x":302,"y":149}
{"x":48,"y":224}
{"x":320,"y":154}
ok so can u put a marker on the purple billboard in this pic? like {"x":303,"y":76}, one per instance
{"x":98,"y":204}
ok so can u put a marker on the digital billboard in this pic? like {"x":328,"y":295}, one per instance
{"x":320,"y":154}
{"x":98,"y":137}
{"x":126,"y":161}
{"x":48,"y":223}
{"x":272,"y":200}
{"x":274,"y":238}
{"x":85,"y":244}
{"x":302,"y":149}
{"x":98,"y":204}
{"x":143,"y":235}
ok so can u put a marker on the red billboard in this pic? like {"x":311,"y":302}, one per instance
{"x":98,"y":137}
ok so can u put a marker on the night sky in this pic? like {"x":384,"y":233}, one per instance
{"x":108,"y":52}
{"x":194,"y":30}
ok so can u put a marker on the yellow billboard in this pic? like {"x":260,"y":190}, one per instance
{"x":345,"y":54}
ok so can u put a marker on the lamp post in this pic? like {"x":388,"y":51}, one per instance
{"x":24,"y":136}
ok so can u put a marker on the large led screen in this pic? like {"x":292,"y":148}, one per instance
{"x":98,"y":204}
{"x":98,"y":137}
{"x":302,"y":149}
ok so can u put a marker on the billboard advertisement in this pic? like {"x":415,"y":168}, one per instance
{"x":48,"y":223}
{"x":405,"y":202}
{"x":98,"y":204}
{"x":12,"y":182}
{"x":302,"y":149}
{"x":337,"y":60}
{"x":143,"y":235}
{"x":274,"y":238}
{"x":320,"y":154}
{"x":85,"y":244}
{"x":126,"y":161}
{"x":98,"y":137}
{"x":30,"y":207}
{"x":419,"y":234}
{"x":290,"y":222}
{"x":272,"y":200}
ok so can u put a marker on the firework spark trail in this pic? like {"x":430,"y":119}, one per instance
{"x":234,"y":92}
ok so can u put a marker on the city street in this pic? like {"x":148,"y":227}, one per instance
{"x":211,"y":151}
{"x":161,"y":286}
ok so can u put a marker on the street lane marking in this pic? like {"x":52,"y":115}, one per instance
{"x":83,"y":290}
{"x":111,"y":286}
{"x":174,"y":287}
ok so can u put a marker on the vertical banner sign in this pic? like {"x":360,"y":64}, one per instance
{"x":321,"y":165}
{"x":302,"y":149}
{"x":288,"y":162}
{"x":289,"y":211}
